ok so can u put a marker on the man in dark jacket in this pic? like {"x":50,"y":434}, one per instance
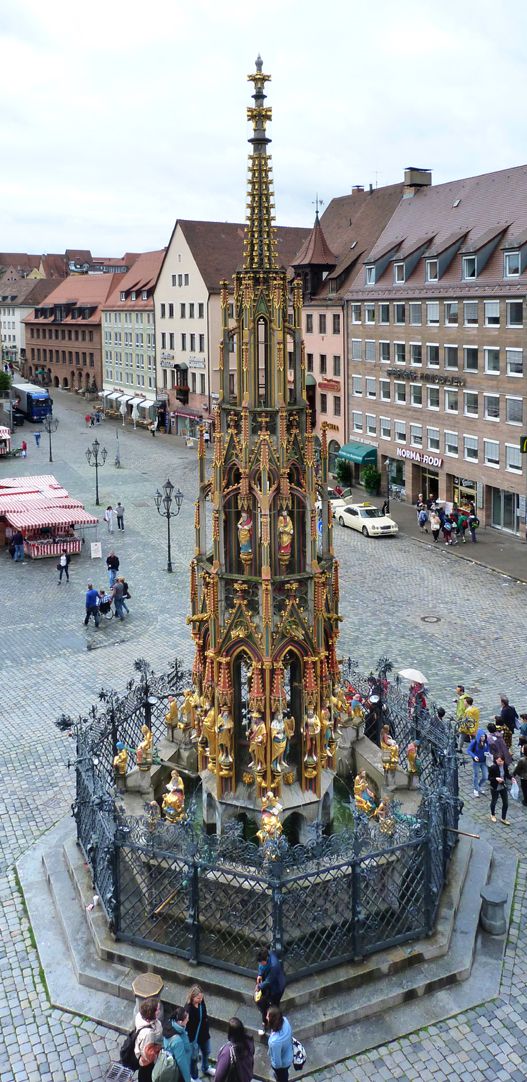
{"x":92,"y":608}
{"x":520,"y":773}
{"x":270,"y":982}
{"x":112,"y":563}
{"x":508,"y":715}
{"x":498,"y":778}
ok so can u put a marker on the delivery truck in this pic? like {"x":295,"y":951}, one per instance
{"x":34,"y":402}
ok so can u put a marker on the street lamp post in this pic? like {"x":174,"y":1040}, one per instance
{"x":163,"y":502}
{"x":99,"y":458}
{"x":388,"y":486}
{"x":50,"y":424}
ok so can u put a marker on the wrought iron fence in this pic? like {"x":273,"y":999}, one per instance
{"x":216,"y":898}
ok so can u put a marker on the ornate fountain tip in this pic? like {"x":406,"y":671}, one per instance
{"x":259,"y":63}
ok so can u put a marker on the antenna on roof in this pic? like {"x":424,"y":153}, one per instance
{"x":317,"y":203}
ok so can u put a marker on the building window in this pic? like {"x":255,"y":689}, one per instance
{"x":432,"y":354}
{"x":193,"y":382}
{"x":513,"y":458}
{"x":492,"y":313}
{"x":371,"y":388}
{"x":202,"y":343}
{"x":433,"y":398}
{"x":451,"y":443}
{"x":433,"y":439}
{"x":399,"y":273}
{"x":416,"y":394}
{"x":192,"y":343}
{"x":336,"y":366}
{"x":369,"y":313}
{"x":471,"y":403}
{"x":469,"y":267}
{"x":514,"y":362}
{"x":400,"y":352}
{"x":336,"y":323}
{"x":355,"y":313}
{"x":201,"y":310}
{"x":491,"y":404}
{"x":356,"y":349}
{"x":202,"y":376}
{"x":451,"y":313}
{"x":384,"y":313}
{"x":492,"y":360}
{"x":514,"y":313}
{"x":511,"y":264}
{"x":174,"y":283}
{"x":384,"y":390}
{"x":323,"y":364}
{"x":309,"y":323}
{"x":321,"y":324}
{"x":191,"y":311}
{"x":171,"y":340}
{"x":415,"y":313}
{"x":399,"y":313}
{"x":451,"y":401}
{"x":186,"y":281}
{"x":310,"y":362}
{"x":323,"y":403}
{"x":386,"y":428}
{"x":163,"y":312}
{"x":384,"y":351}
{"x":336,"y":405}
{"x":432,"y":313}
{"x":514,"y":410}
{"x":369,"y":351}
{"x":370,"y":276}
{"x":432,"y":270}
{"x":416,"y":353}
{"x":400,"y":392}
{"x":182,"y":310}
{"x":356,"y":419}
{"x":470,"y":313}
{"x":183,"y":342}
{"x":491,"y":453}
{"x":399,"y":431}
{"x":470,"y":358}
{"x":470,"y":448}
{"x":416,"y":435}
{"x":451,"y":357}
{"x":356,"y":386}
{"x":163,"y":340}
{"x":371,"y":424}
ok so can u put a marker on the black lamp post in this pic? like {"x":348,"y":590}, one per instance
{"x":388,"y":486}
{"x":50,"y":424}
{"x":99,"y":458}
{"x":163,"y":501}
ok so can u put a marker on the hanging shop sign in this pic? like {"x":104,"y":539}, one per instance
{"x":196,"y":362}
{"x":419,"y":456}
{"x":425,"y":377}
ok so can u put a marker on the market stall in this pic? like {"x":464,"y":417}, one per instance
{"x":5,"y":440}
{"x":51,"y":530}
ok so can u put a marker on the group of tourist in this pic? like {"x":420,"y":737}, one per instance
{"x":113,"y":515}
{"x":453,"y":525}
{"x":100,"y":601}
{"x":168,"y":1049}
{"x":490,"y":750}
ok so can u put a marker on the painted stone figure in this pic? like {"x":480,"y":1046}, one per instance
{"x":245,"y":535}
{"x":144,"y":749}
{"x":257,"y":742}
{"x":209,"y":734}
{"x":285,"y":536}
{"x":311,"y":734}
{"x":278,"y":744}
{"x":271,"y":827}
{"x":389,"y":755}
{"x":225,"y":731}
{"x":173,"y":803}
{"x":120,"y":761}
{"x":365,"y":799}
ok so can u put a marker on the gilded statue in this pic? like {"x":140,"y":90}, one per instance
{"x":245,"y":535}
{"x":257,"y":742}
{"x":120,"y":761}
{"x":285,"y":535}
{"x":173,"y":803}
{"x":365,"y":798}
{"x":340,"y":706}
{"x":278,"y":743}
{"x":188,"y":710}
{"x":389,"y":754}
{"x":225,"y":733}
{"x":311,"y":734}
{"x":271,"y":827}
{"x":209,"y":733}
{"x":144,"y":749}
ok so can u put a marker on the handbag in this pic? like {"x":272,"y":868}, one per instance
{"x":299,"y":1055}
{"x":515,"y":790}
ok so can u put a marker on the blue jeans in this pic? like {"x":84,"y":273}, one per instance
{"x":119,"y":605}
{"x":112,"y":575}
{"x":205,"y":1053}
{"x":19,"y":552}
{"x":92,"y":610}
{"x":477,"y":770}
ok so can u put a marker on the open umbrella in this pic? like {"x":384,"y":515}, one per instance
{"x":413,"y":675}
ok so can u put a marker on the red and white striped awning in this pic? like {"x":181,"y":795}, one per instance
{"x":35,"y":518}
{"x":22,"y":501}
{"x":32,"y":484}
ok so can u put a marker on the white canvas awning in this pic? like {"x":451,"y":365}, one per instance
{"x":114,"y":396}
{"x":138,"y":402}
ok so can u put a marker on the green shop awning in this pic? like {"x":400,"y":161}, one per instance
{"x":310,"y":380}
{"x":358,"y":452}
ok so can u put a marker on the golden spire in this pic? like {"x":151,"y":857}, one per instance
{"x":260,"y":239}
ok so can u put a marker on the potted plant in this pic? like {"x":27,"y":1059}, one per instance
{"x":371,"y":479}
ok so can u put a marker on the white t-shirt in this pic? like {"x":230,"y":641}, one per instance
{"x":63,"y":560}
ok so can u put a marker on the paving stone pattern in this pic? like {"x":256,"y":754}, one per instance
{"x":51,"y":664}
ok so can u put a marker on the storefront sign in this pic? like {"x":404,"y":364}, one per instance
{"x":331,"y":427}
{"x":196,"y":362}
{"x":329,"y":385}
{"x":167,"y":364}
{"x":425,"y":377}
{"x":167,"y":356}
{"x":419,"y":456}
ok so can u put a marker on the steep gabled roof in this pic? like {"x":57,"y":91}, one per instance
{"x":143,"y":275}
{"x":316,"y":251}
{"x":217,"y":247}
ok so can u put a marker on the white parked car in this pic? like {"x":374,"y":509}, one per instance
{"x":337,"y":497}
{"x":366,"y":518}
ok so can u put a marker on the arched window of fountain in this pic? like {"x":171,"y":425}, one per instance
{"x":262,"y":330}
{"x":294,"y":706}
{"x":231,"y":518}
{"x":241,"y":670}
{"x":288,"y":535}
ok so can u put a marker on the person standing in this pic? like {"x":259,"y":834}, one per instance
{"x":23,"y":448}
{"x":18,"y":542}
{"x":63,"y":566}
{"x":118,"y":599}
{"x":478,"y":750}
{"x":92,"y":605}
{"x":109,"y":518}
{"x":112,"y":563}
{"x":422,"y":520}
{"x":238,"y":1052}
{"x":462,"y":523}
{"x":37,"y":436}
{"x":149,"y":1038}
{"x":119,"y":511}
{"x":498,"y":778}
{"x":280,"y":1046}
{"x":461,"y":706}
{"x":520,"y":773}
{"x":435,"y":524}
{"x":497,"y":745}
{"x":177,"y":1043}
{"x":473,"y":523}
{"x":270,"y":982}
{"x":509,"y":719}
{"x":198,"y":1031}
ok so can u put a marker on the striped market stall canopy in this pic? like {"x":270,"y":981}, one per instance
{"x":35,"y":518}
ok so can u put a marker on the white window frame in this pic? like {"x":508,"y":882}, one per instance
{"x":513,"y":469}
{"x":465,"y":410}
{"x":369,"y":275}
{"x":467,"y":457}
{"x":510,"y":302}
{"x":465,"y":349}
{"x":356,"y":382}
{"x":369,"y":342}
{"x":399,"y":431}
{"x":469,"y":261}
{"x":384,"y":360}
{"x":381,"y":321}
{"x":448,"y":451}
{"x":370,"y":380}
{"x":429,"y":346}
{"x":487,"y":416}
{"x":470,"y":322}
{"x":356,"y":349}
{"x":370,"y":424}
{"x":398,"y":387}
{"x":492,"y":371}
{"x":432,"y":270}
{"x":513,"y":398}
{"x":369,"y":309}
{"x":412,"y":346}
{"x":432,"y":322}
{"x":413,"y":388}
{"x":357,"y":420}
{"x":385,"y":422}
{"x":507,"y":273}
{"x":399,"y":273}
{"x":395,"y":358}
{"x":487,"y":443}
{"x":513,"y":375}
{"x":416,"y":435}
{"x":486,"y":318}
{"x":436,"y":444}
{"x":450,"y":367}
{"x":356,"y":308}
{"x":450,"y":391}
{"x":383,"y":383}
{"x":399,"y":322}
{"x":429,"y":393}
{"x":451,"y":322}
{"x":415,"y":322}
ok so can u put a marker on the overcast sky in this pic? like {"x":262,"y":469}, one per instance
{"x":116,"y":118}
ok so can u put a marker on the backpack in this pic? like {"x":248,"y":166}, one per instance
{"x":474,"y":522}
{"x":299,"y":1055}
{"x":127,"y":1054}
{"x":165,"y":1068}
{"x":423,"y":518}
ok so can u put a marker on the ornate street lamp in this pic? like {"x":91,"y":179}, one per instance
{"x":99,"y":458}
{"x":163,"y":502}
{"x":50,"y":424}
{"x":388,"y":486}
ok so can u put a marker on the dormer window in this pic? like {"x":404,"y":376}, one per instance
{"x":432,"y":272}
{"x":144,"y":295}
{"x":469,"y":267}
{"x":399,"y":273}
{"x":133,"y":295}
{"x":370,"y":276}
{"x":122,"y":295}
{"x":511,"y":267}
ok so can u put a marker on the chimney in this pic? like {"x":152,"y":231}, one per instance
{"x":357,"y":188}
{"x":414,"y":179}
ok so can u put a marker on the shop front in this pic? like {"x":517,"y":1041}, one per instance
{"x":505,"y":510}
{"x":421,"y":474}
{"x":464,"y":491}
{"x":357,"y":456}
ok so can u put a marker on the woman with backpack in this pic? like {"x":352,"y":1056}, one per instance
{"x":149,"y":1038}
{"x":176,"y":1041}
{"x":198,"y":1031}
{"x":238,"y":1053}
{"x":280,"y":1046}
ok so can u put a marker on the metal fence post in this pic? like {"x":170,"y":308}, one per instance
{"x":194,"y":913}
{"x":277,"y":908}
{"x":428,"y":907}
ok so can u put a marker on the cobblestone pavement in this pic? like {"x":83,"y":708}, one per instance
{"x":51,"y":663}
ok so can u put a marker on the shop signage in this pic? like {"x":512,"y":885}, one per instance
{"x":329,"y":385}
{"x":523,"y":445}
{"x":168,"y":364}
{"x":196,"y":362}
{"x":425,"y":377}
{"x":167,"y":356}
{"x":419,"y":456}
{"x":331,"y":427}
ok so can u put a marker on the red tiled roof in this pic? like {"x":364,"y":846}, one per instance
{"x":217,"y":247}
{"x":82,"y":290}
{"x":316,"y":250}
{"x":142,"y":275}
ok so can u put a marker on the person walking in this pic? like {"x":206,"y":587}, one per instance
{"x":18,"y":542}
{"x":92,"y":605}
{"x":478,"y":750}
{"x":112,"y":563}
{"x":446,"y":527}
{"x":23,"y":448}
{"x":118,"y":593}
{"x":238,"y":1053}
{"x":270,"y":982}
{"x":422,"y":520}
{"x":509,"y":719}
{"x":176,"y":1041}
{"x":462,"y":524}
{"x":473,"y":523}
{"x":497,"y":745}
{"x":461,"y":706}
{"x":37,"y":436}
{"x":119,"y":511}
{"x":109,"y":518}
{"x":520,"y":773}
{"x":435,"y":524}
{"x":280,"y":1046}
{"x":63,"y":566}
{"x":198,"y":1031}
{"x":498,"y":778}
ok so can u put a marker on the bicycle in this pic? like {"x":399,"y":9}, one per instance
{"x":396,"y":493}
